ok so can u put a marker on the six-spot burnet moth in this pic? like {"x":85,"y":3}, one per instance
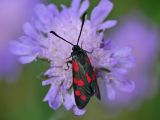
{"x":84,"y":78}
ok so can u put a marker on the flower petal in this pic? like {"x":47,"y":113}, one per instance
{"x":27,"y":59}
{"x":53,"y":96}
{"x":56,"y":102}
{"x":30,"y":30}
{"x":100,"y":12}
{"x":55,"y":85}
{"x":84,"y":7}
{"x":68,"y":102}
{"x":51,"y":93}
{"x":18,"y":48}
{"x":123,"y":52}
{"x":121,"y":70}
{"x":111,"y":92}
{"x":79,"y":112}
{"x":53,"y":8}
{"x":43,"y":13}
{"x":108,"y":24}
{"x":125,"y":85}
{"x":75,"y":5}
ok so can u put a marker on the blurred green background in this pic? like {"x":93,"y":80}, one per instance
{"x":23,"y":100}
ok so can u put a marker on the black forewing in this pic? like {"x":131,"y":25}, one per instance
{"x":81,"y":75}
{"x":84,"y":90}
{"x":88,"y":89}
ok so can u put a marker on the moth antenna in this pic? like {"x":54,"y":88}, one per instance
{"x":83,"y":19}
{"x":54,"y":33}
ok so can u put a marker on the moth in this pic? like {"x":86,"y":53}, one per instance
{"x":84,"y":77}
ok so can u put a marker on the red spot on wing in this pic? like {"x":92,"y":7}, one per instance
{"x":77,"y":92}
{"x":80,"y":83}
{"x":83,"y":97}
{"x":75,"y":81}
{"x":88,"y":78}
{"x":75,"y":66}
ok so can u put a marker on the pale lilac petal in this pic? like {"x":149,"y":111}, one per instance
{"x":84,"y":7}
{"x":27,"y":41}
{"x":54,"y":96}
{"x":56,"y":102}
{"x":79,"y":112}
{"x":51,"y":93}
{"x":123,"y":52}
{"x":111,"y":92}
{"x":30,"y":30}
{"x":54,"y":71}
{"x":108,"y":24}
{"x":53,"y":8}
{"x":68,"y":102}
{"x":55,"y":86}
{"x":121,"y":70}
{"x":75,"y":5}
{"x":47,"y":82}
{"x":100,"y":12}
{"x":75,"y":109}
{"x":18,"y":48}
{"x":63,"y":13}
{"x":49,"y":72}
{"x":120,"y":60}
{"x":28,"y":52}
{"x":27,"y":59}
{"x":64,"y":7}
{"x":39,"y":26}
{"x":43,"y":13}
{"x":125,"y":85}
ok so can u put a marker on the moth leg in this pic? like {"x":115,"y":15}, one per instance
{"x":68,"y":62}
{"x":68,"y":57}
{"x":89,"y":52}
{"x":105,"y":69}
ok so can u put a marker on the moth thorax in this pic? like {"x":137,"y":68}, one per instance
{"x":76,"y":48}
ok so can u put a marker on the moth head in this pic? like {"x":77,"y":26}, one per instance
{"x":76,"y":48}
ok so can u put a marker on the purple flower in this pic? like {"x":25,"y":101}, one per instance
{"x":142,"y":37}
{"x":12,"y":14}
{"x":118,"y":61}
{"x":38,"y":43}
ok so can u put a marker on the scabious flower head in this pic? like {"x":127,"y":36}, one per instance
{"x":135,"y":31}
{"x":39,"y":43}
